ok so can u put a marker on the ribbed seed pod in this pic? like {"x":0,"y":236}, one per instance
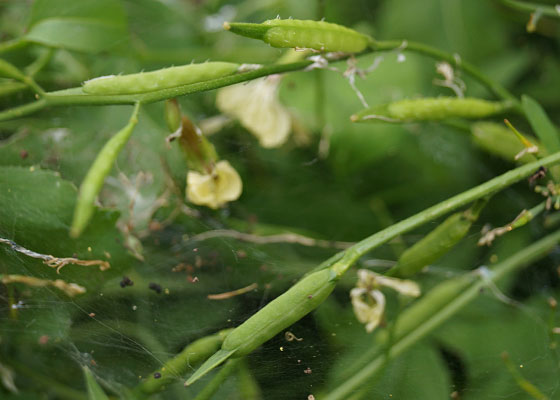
{"x":285,"y":310}
{"x":161,"y":79}
{"x":499,"y":140}
{"x":431,"y":109}
{"x":438,"y":242}
{"x":317,"y":35}
{"x":193,"y":354}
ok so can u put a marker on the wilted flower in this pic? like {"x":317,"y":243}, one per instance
{"x":216,"y":188}
{"x":255,"y":104}
{"x":369,"y":302}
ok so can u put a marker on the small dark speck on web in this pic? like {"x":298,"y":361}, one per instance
{"x":155,"y":287}
{"x":157,"y":375}
{"x":126,"y":281}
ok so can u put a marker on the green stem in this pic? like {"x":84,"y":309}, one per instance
{"x":549,"y":11}
{"x":41,"y":61}
{"x":524,"y":257}
{"x":75,"y":96}
{"x":212,"y":387}
{"x":26,"y":109}
{"x":193,"y":354}
{"x":452,"y":59}
{"x":13,"y":44}
{"x":348,"y":257}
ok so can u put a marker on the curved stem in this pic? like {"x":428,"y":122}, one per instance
{"x":212,"y":387}
{"x":543,"y":9}
{"x":13,"y":44}
{"x":522,"y":258}
{"x":348,"y":257}
{"x":452,"y":59}
{"x":76,"y":96}
{"x":26,"y":109}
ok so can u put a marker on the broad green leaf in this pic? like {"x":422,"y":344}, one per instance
{"x":541,"y":124}
{"x":111,"y":11}
{"x":95,"y":392}
{"x":36,"y":212}
{"x":87,"y":25}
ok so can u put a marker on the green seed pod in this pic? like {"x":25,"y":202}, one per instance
{"x":172,"y":115}
{"x":194,"y":354}
{"x":97,"y":173}
{"x":432,"y":109}
{"x":317,"y":35}
{"x":436,"y":243}
{"x":161,"y":79}
{"x":498,"y":140}
{"x":428,"y":305}
{"x":285,"y":310}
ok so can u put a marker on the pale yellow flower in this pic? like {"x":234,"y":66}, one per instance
{"x":255,"y":104}
{"x":369,"y":302}
{"x":214,"y":189}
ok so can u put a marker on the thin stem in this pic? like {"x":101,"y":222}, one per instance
{"x":40,"y":63}
{"x":13,"y":44}
{"x":522,"y":258}
{"x":452,"y":59}
{"x":76,"y":96}
{"x":212,"y":387}
{"x":549,"y":11}
{"x":26,"y":109}
{"x":348,"y":257}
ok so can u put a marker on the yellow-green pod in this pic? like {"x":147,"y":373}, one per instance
{"x":317,"y":35}
{"x":161,"y":79}
{"x":429,"y":304}
{"x":499,"y":140}
{"x":279,"y":314}
{"x":194,"y":354}
{"x":438,"y":242}
{"x":172,"y":114}
{"x":432,"y":109}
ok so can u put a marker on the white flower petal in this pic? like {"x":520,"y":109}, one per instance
{"x":258,"y":109}
{"x":369,"y":313}
{"x":215,"y":189}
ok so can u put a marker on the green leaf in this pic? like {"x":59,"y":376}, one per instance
{"x":36,"y":213}
{"x":87,"y":25}
{"x":541,"y":124}
{"x":94,"y":390}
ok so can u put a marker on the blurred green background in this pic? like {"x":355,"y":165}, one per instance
{"x":370,"y":176}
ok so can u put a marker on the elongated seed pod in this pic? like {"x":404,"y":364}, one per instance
{"x":438,"y":242}
{"x":161,"y":79}
{"x":285,"y":310}
{"x":194,"y":354}
{"x":317,"y":35}
{"x":429,"y":304}
{"x":96,"y":174}
{"x":498,"y":140}
{"x":432,"y":109}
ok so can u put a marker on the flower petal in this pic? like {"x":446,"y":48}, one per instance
{"x":256,"y":106}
